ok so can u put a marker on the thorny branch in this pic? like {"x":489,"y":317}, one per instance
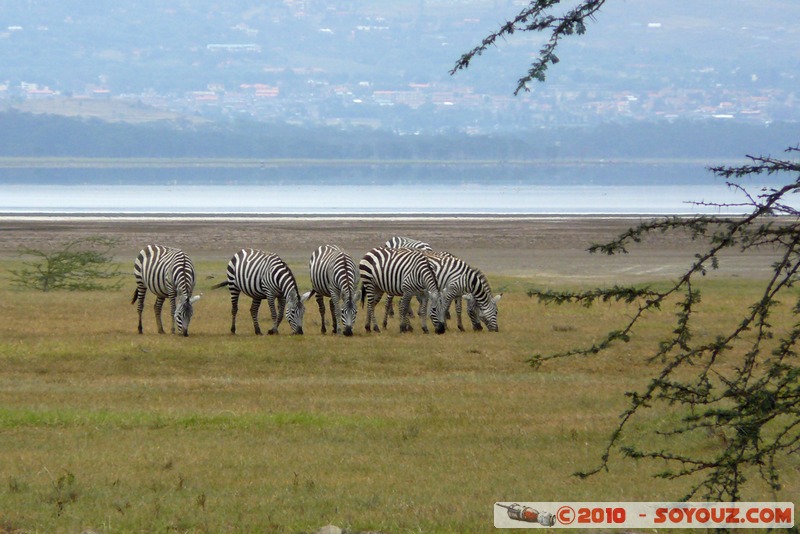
{"x":751,"y":407}
{"x":537,"y":17}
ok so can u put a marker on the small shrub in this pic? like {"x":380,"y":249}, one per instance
{"x":83,"y":264}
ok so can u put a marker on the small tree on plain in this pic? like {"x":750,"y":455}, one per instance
{"x":83,"y":264}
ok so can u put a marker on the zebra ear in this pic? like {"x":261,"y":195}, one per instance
{"x":497,"y":297}
{"x":307,"y":295}
{"x":195,"y":298}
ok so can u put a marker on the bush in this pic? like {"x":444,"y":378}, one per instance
{"x":83,"y":264}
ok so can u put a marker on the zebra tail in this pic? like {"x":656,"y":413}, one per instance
{"x":363,"y":295}
{"x":217,"y":286}
{"x":135,"y":295}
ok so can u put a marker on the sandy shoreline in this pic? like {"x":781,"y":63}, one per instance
{"x":549,"y":247}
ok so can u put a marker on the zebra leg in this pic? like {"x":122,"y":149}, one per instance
{"x":277,"y":313}
{"x":140,"y":293}
{"x":422,"y":309}
{"x":373,"y":298}
{"x":458,"y":314}
{"x":254,"y":314}
{"x":405,"y":323}
{"x":172,"y":308}
{"x":334,"y":314}
{"x":234,"y":309}
{"x":321,"y":304}
{"x":389,"y":307}
{"x":157,"y":308}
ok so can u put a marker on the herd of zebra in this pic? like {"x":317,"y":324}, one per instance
{"x":402,"y":267}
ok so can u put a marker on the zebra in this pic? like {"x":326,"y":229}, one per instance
{"x":168,"y":273}
{"x":456,"y":278}
{"x":263,"y":275}
{"x":406,"y":242}
{"x":399,"y":241}
{"x":334,"y":274}
{"x":400,"y":272}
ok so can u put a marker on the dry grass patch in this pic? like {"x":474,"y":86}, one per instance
{"x":105,"y":429}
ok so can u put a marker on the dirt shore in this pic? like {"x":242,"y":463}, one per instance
{"x":552,"y":248}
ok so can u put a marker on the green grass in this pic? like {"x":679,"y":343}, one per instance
{"x":106,"y":430}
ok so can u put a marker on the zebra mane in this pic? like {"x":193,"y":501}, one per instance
{"x":479,"y":280}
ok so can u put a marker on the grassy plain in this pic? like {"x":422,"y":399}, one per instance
{"x":105,"y":430}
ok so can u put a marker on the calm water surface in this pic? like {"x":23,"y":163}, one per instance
{"x":370,"y":199}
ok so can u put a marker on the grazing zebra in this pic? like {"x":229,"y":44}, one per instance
{"x":168,"y":273}
{"x":263,"y":275}
{"x":406,"y":242}
{"x":456,"y":278}
{"x":399,"y":241}
{"x":334,"y":274}
{"x":400,"y":272}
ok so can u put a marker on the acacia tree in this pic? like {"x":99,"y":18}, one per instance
{"x":83,"y":264}
{"x":742,"y":384}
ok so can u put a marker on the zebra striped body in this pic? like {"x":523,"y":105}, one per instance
{"x":400,"y":272}
{"x":456,"y":278}
{"x":263,"y":275}
{"x":169,"y":274}
{"x":399,"y":241}
{"x":406,"y":242}
{"x":334,"y":274}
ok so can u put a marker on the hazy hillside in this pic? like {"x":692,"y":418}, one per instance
{"x":384,"y":65}
{"x":164,"y":44}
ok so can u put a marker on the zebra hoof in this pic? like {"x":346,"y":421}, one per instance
{"x":272,"y":331}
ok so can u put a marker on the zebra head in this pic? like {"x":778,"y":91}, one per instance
{"x":483,"y":311}
{"x":296,"y":309}
{"x":184,"y":309}
{"x":437,"y":311}
{"x":349,"y":309}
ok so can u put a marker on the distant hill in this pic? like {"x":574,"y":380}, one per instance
{"x":45,"y":136}
{"x":385,"y":64}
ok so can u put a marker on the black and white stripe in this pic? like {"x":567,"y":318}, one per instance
{"x":263,"y":275}
{"x":400,"y":272}
{"x":334,"y":275}
{"x":400,"y":241}
{"x":406,"y":242}
{"x":456,"y":278}
{"x":168,"y":273}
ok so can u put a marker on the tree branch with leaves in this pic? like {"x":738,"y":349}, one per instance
{"x":538,"y":17}
{"x":753,"y":406}
{"x":741,"y":384}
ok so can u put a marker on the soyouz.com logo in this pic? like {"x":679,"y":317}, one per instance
{"x":643,"y":515}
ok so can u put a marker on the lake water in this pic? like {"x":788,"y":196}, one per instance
{"x":368,"y":199}
{"x":578,"y":189}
